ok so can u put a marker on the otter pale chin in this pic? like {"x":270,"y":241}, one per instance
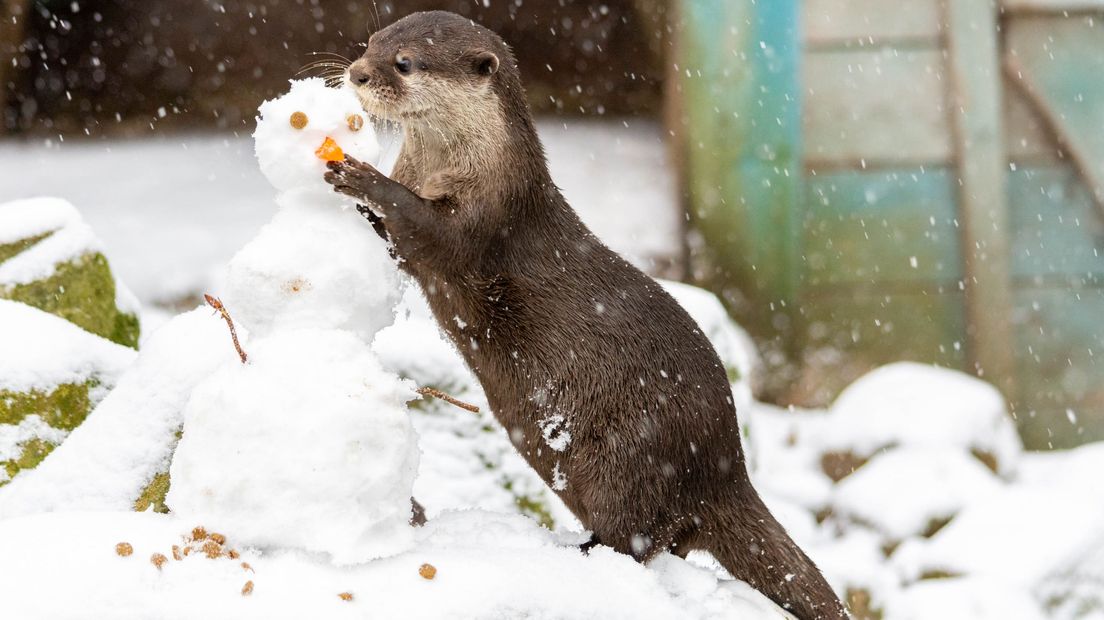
{"x":562,"y":333}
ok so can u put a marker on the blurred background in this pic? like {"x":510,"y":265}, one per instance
{"x":860,"y":185}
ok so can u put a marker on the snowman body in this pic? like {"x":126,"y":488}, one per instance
{"x":309,"y":444}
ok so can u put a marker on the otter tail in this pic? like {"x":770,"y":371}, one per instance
{"x":755,"y":548}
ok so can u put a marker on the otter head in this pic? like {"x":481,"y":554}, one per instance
{"x":434,"y":69}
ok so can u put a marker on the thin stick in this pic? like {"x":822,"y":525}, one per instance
{"x":435,"y":393}
{"x":215,"y":303}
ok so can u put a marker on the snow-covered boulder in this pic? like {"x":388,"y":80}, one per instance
{"x":918,"y":405}
{"x":52,"y":373}
{"x":50,"y":259}
{"x":118,"y":458}
{"x":928,"y":486}
{"x":308,"y":446}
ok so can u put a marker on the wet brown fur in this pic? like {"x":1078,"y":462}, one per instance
{"x":566,"y":337}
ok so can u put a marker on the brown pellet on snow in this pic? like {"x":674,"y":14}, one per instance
{"x":124,"y":549}
{"x":212,"y":549}
{"x":158,"y":560}
{"x":345,"y":596}
{"x":247,"y":589}
{"x":219,"y":538}
{"x":427,"y":571}
{"x":176,"y":553}
{"x":199,"y":533}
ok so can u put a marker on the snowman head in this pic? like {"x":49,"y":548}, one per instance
{"x":298,"y":132}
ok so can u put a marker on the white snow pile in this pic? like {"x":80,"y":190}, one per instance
{"x":924,"y":527}
{"x":68,"y":237}
{"x":129,"y":437}
{"x":40,"y":353}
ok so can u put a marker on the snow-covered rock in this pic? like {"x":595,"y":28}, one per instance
{"x":918,"y":405}
{"x":51,"y":375}
{"x":50,"y":259}
{"x":928,"y":487}
{"x":107,"y":462}
{"x":976,"y":598}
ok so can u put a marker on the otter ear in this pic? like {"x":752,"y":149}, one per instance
{"x":485,"y":63}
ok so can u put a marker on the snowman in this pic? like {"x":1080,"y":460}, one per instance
{"x":307,"y":445}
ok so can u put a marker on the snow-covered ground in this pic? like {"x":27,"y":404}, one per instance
{"x":172,"y":211}
{"x":912,"y":491}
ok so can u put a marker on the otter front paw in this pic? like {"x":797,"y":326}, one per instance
{"x":356,"y":179}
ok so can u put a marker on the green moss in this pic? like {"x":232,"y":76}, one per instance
{"x":82,"y":291}
{"x":34,"y":451}
{"x":65,"y":407}
{"x":733,"y":374}
{"x":154,"y":494}
{"x":8,"y":250}
{"x":531,"y":506}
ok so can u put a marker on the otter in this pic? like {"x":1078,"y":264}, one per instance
{"x":604,"y":383}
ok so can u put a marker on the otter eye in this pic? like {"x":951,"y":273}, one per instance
{"x":298,"y":120}
{"x":403,"y":64}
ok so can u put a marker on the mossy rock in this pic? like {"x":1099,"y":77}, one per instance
{"x":63,"y":408}
{"x":81,"y":291}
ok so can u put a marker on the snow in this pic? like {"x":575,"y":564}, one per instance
{"x":107,"y":460}
{"x":21,"y":219}
{"x":41,"y":351}
{"x":311,"y":431}
{"x":941,"y":482}
{"x":973,"y":597}
{"x":911,"y":404}
{"x":171,"y":211}
{"x":487,"y":566}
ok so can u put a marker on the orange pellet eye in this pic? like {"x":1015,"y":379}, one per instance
{"x":298,"y":120}
{"x":355,"y":121}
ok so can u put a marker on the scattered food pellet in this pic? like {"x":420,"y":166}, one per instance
{"x":176,"y":553}
{"x":299,"y":120}
{"x":246,"y":566}
{"x":233,"y":553}
{"x":355,"y":121}
{"x":124,"y":549}
{"x":247,"y":589}
{"x":346,"y":596}
{"x":427,"y":571}
{"x":212,"y":549}
{"x":219,"y":538}
{"x":187,"y":550}
{"x":199,"y":533}
{"x":158,"y":560}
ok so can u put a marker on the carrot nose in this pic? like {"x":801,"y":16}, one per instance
{"x":329,"y":151}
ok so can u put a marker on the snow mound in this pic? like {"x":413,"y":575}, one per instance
{"x":487,"y":566}
{"x":41,"y":351}
{"x":66,"y":237}
{"x":910,"y":404}
{"x":970,"y":597}
{"x":940,"y":482}
{"x":128,"y":438}
{"x":1025,"y":534}
{"x":309,"y":445}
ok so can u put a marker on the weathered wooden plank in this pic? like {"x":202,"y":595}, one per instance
{"x":742,"y":144}
{"x":851,"y":330}
{"x":1027,"y":136}
{"x":875,"y":106}
{"x":833,"y":21}
{"x":1052,"y":6}
{"x":1059,"y":61}
{"x":1058,"y":236}
{"x":1059,"y":341}
{"x":974,"y":65}
{"x":867,"y":227}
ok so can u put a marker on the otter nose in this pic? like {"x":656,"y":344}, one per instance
{"x":358,"y":73}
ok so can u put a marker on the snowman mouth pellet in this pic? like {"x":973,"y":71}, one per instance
{"x":329,"y":150}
